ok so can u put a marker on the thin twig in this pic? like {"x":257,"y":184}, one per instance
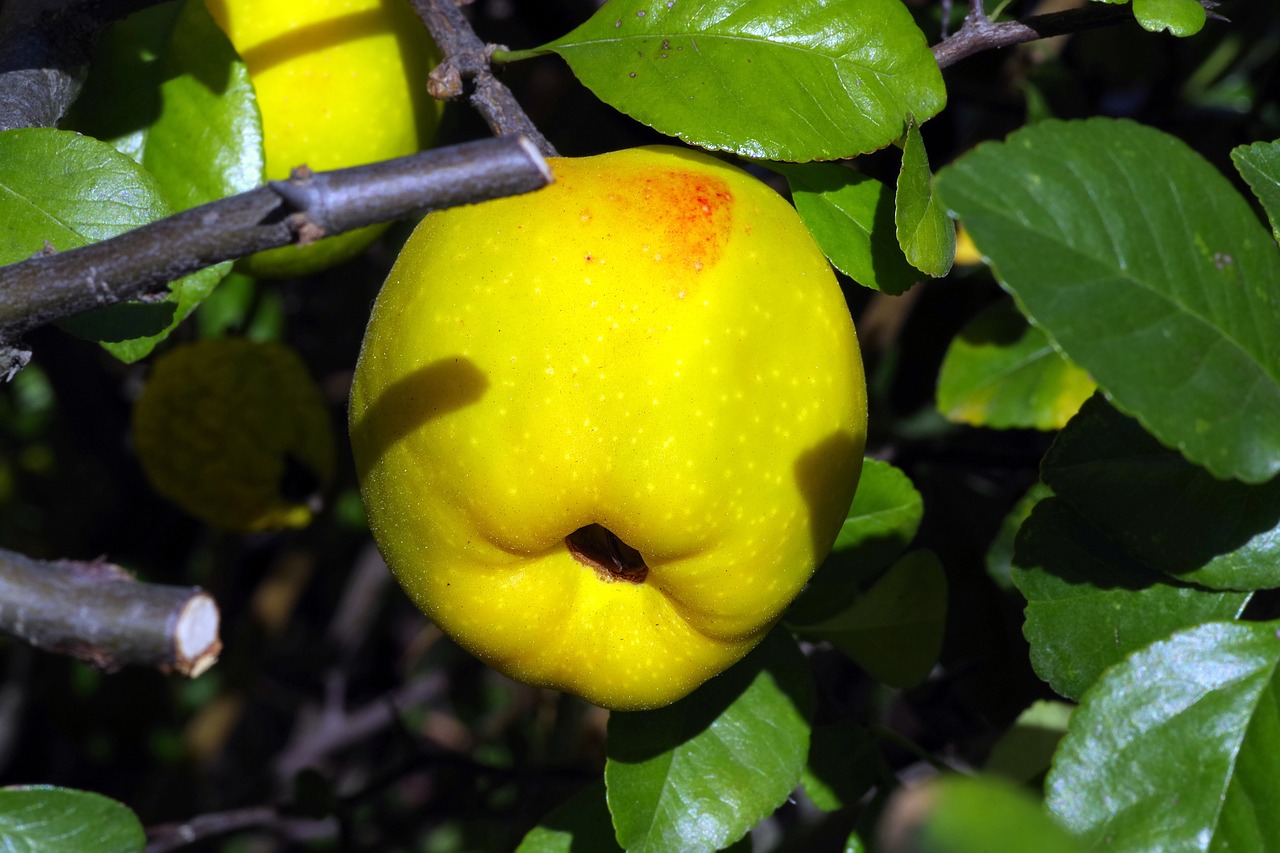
{"x":141,"y":262}
{"x":98,"y":613}
{"x":167,"y":837}
{"x":980,"y":34}
{"x":466,"y":59}
{"x":337,"y":731}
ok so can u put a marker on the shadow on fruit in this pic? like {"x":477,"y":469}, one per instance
{"x":429,"y":392}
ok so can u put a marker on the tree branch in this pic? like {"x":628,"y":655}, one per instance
{"x":466,"y":58}
{"x":98,"y":613}
{"x":980,"y":33}
{"x":167,"y":837}
{"x":141,"y":262}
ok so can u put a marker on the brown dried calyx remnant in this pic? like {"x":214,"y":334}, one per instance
{"x":602,"y":550}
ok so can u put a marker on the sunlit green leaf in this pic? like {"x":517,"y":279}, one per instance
{"x":791,"y":80}
{"x":1002,"y":372}
{"x":851,"y":217}
{"x":925,"y":232}
{"x":1179,"y":17}
{"x":1259,"y":165}
{"x":1175,"y":748}
{"x":697,"y":775}
{"x":1147,"y":269}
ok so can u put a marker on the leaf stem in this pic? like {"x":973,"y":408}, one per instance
{"x":466,"y":59}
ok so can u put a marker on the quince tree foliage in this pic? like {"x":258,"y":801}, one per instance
{"x":1046,"y":621}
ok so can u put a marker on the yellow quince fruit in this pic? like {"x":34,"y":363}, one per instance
{"x":236,"y":433}
{"x":606,"y":431}
{"x":339,"y":83}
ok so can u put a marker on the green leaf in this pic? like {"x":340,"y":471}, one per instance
{"x":182,"y":105}
{"x":1259,"y":165}
{"x":167,"y":88}
{"x":851,"y":217}
{"x":1023,"y":753}
{"x":925,"y":231}
{"x":844,"y":763}
{"x":881,"y":522}
{"x":772,"y":79}
{"x":206,"y":143}
{"x":580,"y":825}
{"x":974,"y":814}
{"x":66,"y":190}
{"x":893,"y":630}
{"x":1001,"y":372}
{"x":1000,"y":554}
{"x":1160,"y":509}
{"x":45,"y":819}
{"x":1144,"y":267}
{"x":1177,"y":744}
{"x":121,"y":93}
{"x":1179,"y":17}
{"x":697,"y":775}
{"x":1088,"y":605}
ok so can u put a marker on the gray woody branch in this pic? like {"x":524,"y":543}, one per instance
{"x":466,"y":59}
{"x":141,"y":262}
{"x":979,"y":33}
{"x":97,"y":612}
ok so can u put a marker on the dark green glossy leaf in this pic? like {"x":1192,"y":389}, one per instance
{"x":697,"y":775}
{"x":1160,"y":509}
{"x":1175,"y":748}
{"x":893,"y":630}
{"x":791,"y":80}
{"x":580,"y":825}
{"x":851,"y":217}
{"x":1147,"y":269}
{"x":1002,"y":372}
{"x":844,"y":763}
{"x":1088,"y":605}
{"x":971,"y":814}
{"x":925,"y":231}
{"x":1259,"y":165}
{"x":45,"y":819}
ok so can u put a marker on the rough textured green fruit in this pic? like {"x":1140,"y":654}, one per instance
{"x":236,"y":433}
{"x":607,"y":430}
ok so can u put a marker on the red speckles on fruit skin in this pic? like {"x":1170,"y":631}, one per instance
{"x":690,"y":215}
